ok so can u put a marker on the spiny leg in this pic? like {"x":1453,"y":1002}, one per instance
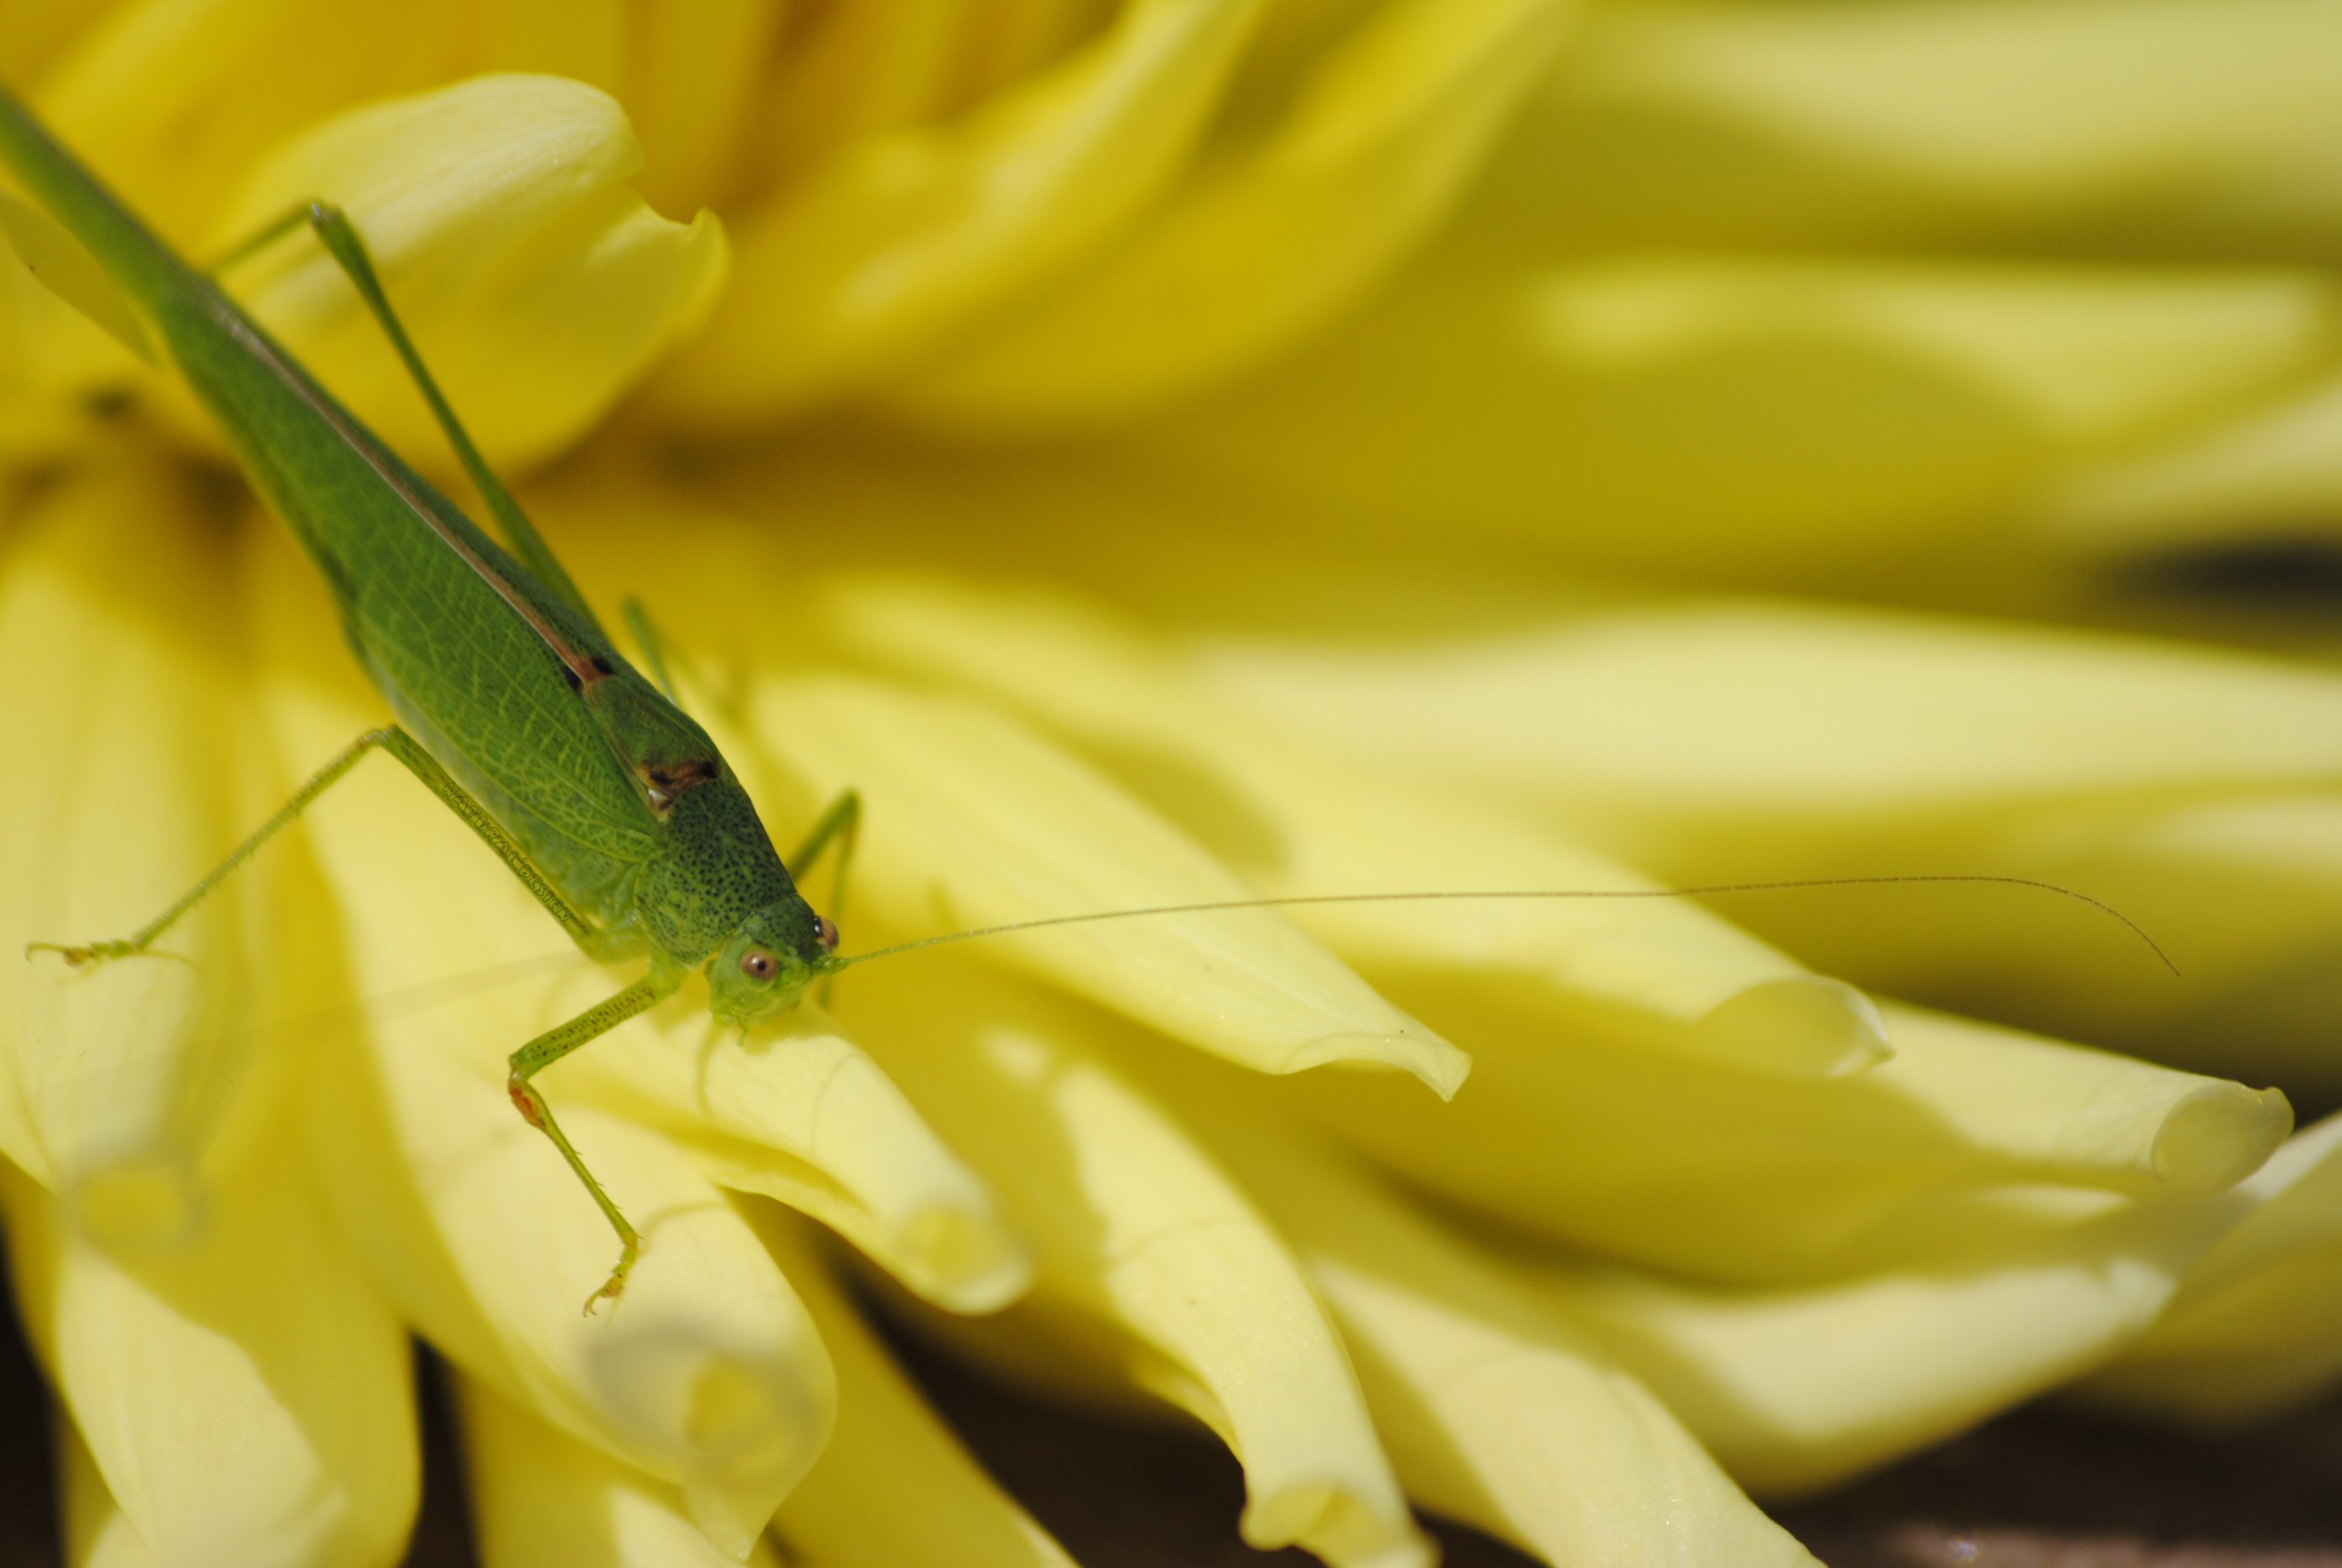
{"x":843,"y":822}
{"x":420,"y":762}
{"x":550,"y":1047}
{"x":341,"y":240}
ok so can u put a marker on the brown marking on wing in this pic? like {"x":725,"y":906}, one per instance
{"x":663,"y":782}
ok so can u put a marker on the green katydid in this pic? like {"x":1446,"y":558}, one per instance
{"x":608,"y":802}
{"x":621,"y":817}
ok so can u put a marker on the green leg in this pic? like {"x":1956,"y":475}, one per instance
{"x":420,"y":762}
{"x":550,"y":1047}
{"x":843,"y":822}
{"x":341,"y":240}
{"x":653,"y":646}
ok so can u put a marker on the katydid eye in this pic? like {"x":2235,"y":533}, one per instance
{"x":824,"y":932}
{"x":758,"y":965}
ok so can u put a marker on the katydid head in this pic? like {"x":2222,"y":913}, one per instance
{"x":770,"y":962}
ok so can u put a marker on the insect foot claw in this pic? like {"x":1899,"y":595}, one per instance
{"x":616,"y":1283}
{"x":75,"y":956}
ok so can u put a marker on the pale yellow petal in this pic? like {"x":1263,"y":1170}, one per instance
{"x":1793,"y":1390}
{"x":2251,"y":1331}
{"x":43,"y":247}
{"x":694,"y":80}
{"x":1155,"y":1274}
{"x":908,"y":235}
{"x":2058,"y":105}
{"x":536,"y":286}
{"x":708,"y":1374}
{"x":970,"y":820}
{"x":1971,"y":1138}
{"x":798,"y":1112}
{"x":850,"y":1511}
{"x":2271,"y":468}
{"x":1380,"y":138}
{"x":1494,"y":1412}
{"x":97,"y":1534}
{"x":122,"y":1080}
{"x":539,"y":1496}
{"x":246,"y":1398}
{"x":1298,"y":823}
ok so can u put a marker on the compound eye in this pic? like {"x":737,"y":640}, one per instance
{"x":758,"y":965}
{"x":824,"y":932}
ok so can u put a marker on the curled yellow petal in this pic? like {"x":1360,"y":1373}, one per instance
{"x":909,"y":235}
{"x":1721,"y":1174}
{"x":1155,"y":1273}
{"x":536,"y":286}
{"x":795,"y":1111}
{"x":1796,"y":1390}
{"x":1378,"y":141}
{"x":848,"y":1512}
{"x":245,"y":1399}
{"x":971,"y":820}
{"x":2251,"y":1331}
{"x":537,"y":1495}
{"x":1494,"y":1412}
{"x":121,"y":1079}
{"x":1298,"y":823}
{"x":97,"y":1534}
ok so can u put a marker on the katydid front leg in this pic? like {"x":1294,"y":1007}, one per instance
{"x":550,"y":1047}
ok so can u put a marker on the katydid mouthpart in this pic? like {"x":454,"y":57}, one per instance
{"x":514,"y":707}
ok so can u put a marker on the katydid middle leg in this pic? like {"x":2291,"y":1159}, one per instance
{"x":550,"y":1047}
{"x":435,"y":778}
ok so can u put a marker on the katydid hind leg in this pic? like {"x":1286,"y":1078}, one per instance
{"x":840,"y":823}
{"x":342,"y":243}
{"x":550,"y":1047}
{"x":139,"y":941}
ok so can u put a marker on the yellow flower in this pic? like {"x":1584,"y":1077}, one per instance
{"x":1109,"y":438}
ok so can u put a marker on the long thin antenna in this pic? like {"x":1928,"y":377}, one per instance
{"x":1710,"y":891}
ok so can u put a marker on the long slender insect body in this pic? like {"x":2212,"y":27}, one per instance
{"x":617,"y":810}
{"x":619,"y":813}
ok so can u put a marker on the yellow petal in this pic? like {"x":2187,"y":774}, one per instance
{"x":708,"y":1374}
{"x":63,"y":266}
{"x":2268,"y":468}
{"x":2006,"y":107}
{"x":796,"y":1111}
{"x":1298,"y":823}
{"x":536,"y":284}
{"x":1796,"y":1390}
{"x":1718,"y":1175}
{"x":246,"y":1398}
{"x":694,"y":80}
{"x":1495,"y":1414}
{"x":1379,"y":139}
{"x":970,"y":820}
{"x":538,"y":1496}
{"x":97,"y":1534}
{"x":911,"y":234}
{"x":2250,"y":1332}
{"x":849,"y":1512}
{"x":1723,"y":741}
{"x":123,"y":1078}
{"x":1154,"y":1272}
